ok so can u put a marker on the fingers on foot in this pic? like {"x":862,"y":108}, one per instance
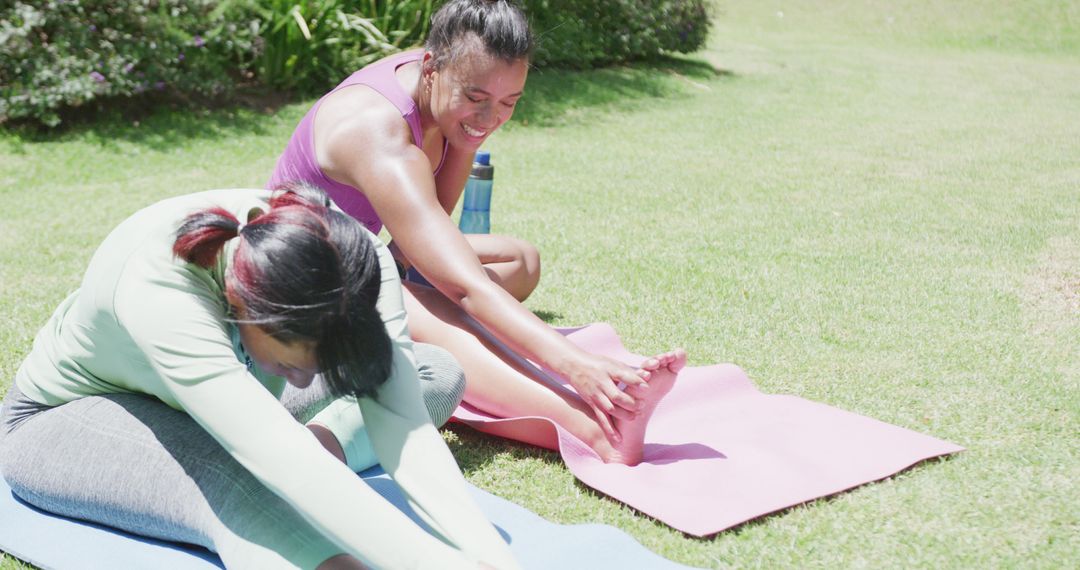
{"x":651,"y":364}
{"x":619,"y":400}
{"x":606,"y":426}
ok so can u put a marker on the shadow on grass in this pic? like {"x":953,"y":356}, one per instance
{"x":547,"y":316}
{"x":475,"y":450}
{"x":552,"y":97}
{"x":157,"y":123}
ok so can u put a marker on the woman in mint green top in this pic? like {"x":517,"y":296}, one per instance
{"x":170,"y":362}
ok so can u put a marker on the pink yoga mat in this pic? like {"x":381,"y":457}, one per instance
{"x":719,"y":453}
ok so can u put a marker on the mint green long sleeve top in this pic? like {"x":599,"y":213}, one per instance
{"x":145,"y":322}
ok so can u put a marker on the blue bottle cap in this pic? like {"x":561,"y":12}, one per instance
{"x":482,"y":157}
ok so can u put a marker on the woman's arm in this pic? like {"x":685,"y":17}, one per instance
{"x":412,"y":451}
{"x":194,"y":368}
{"x":397,"y":427}
{"x":373,"y":151}
{"x":450,"y":182}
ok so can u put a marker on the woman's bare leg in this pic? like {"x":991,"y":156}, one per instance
{"x":498,"y":381}
{"x":503,"y":384}
{"x":511,"y":262}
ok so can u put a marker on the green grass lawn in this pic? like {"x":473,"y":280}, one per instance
{"x":874,"y":205}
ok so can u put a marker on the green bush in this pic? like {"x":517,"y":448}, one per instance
{"x":310,"y":45}
{"x":592,"y":33}
{"x":65,"y":53}
{"x":62,"y":54}
{"x":59,"y":54}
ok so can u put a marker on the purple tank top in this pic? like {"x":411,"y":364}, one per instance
{"x":299,"y":163}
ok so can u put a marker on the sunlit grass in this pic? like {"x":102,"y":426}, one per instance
{"x":879,"y":215}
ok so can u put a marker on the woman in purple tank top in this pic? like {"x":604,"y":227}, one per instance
{"x":393,"y":144}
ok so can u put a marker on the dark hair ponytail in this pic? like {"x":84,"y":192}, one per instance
{"x":304,"y":272}
{"x":203,"y":234}
{"x":500,"y":25}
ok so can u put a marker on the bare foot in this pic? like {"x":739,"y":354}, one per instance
{"x":660,"y":372}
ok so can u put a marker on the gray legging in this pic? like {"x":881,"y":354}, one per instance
{"x":131,"y":462}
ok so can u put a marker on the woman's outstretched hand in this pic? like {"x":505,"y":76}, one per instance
{"x":596,"y":380}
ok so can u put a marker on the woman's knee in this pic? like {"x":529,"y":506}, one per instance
{"x":530,"y":260}
{"x":442,"y":381}
{"x":512,"y":262}
{"x":527,"y":268}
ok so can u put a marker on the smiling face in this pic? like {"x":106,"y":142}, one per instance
{"x":473,"y":94}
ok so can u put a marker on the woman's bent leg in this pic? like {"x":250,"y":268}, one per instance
{"x":442,"y":385}
{"x":511,"y":262}
{"x":130,"y":462}
{"x":338,"y":423}
{"x":442,"y":381}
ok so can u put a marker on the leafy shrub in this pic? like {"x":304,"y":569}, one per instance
{"x":57,"y":54}
{"x":65,"y":53}
{"x":307,"y":45}
{"x":591,"y":33}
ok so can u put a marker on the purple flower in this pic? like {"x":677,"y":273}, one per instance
{"x":129,"y":67}
{"x":97,"y":77}
{"x":180,"y":57}
{"x":93,"y":28}
{"x":160,"y":85}
{"x":199,"y":41}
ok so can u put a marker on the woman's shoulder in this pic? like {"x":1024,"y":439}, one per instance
{"x":136,"y":261}
{"x":372,"y":98}
{"x":359,"y":102}
{"x":358,"y":118}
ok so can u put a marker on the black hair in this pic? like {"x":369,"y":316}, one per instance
{"x":304,"y":273}
{"x":500,"y":25}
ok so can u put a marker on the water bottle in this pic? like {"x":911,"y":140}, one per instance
{"x":476,"y":206}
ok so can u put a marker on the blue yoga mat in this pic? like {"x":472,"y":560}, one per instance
{"x":53,"y":542}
